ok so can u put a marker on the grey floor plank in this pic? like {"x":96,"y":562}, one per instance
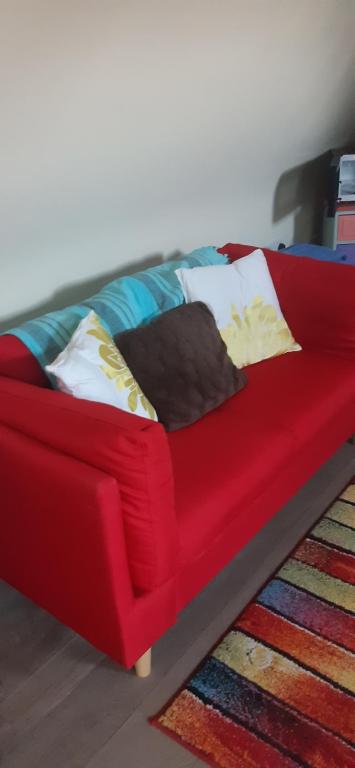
{"x":79,"y":710}
{"x":144,"y":746}
{"x":28,"y":638}
{"x":44,"y":690}
{"x":100,"y":703}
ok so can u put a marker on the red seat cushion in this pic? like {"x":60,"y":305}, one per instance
{"x":229,"y":457}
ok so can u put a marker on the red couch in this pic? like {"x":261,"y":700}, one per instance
{"x":113,"y":525}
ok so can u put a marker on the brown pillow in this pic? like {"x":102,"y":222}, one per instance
{"x":181,"y":363}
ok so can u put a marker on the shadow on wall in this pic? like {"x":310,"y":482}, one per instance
{"x":74,"y":293}
{"x":301,"y":191}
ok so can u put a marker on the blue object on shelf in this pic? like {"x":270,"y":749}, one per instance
{"x":349,"y":249}
{"x":320,"y":252}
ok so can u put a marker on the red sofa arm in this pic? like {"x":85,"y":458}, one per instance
{"x":62,"y":541}
{"x":131,"y":449}
{"x":316,"y":297}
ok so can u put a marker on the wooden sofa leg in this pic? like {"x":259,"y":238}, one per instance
{"x":144,"y":665}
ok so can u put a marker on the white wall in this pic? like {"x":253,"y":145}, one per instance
{"x":134,"y":127}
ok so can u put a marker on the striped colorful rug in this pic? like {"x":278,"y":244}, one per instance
{"x":278,"y":690}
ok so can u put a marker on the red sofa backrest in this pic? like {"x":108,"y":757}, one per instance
{"x":17,"y":362}
{"x":316,"y":297}
{"x":296,"y":279}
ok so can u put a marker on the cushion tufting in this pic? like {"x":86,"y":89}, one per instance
{"x":181,"y":363}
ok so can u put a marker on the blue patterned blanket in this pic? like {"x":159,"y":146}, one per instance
{"x":122,"y":304}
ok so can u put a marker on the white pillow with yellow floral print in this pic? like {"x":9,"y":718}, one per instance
{"x":243,"y":300}
{"x":92,"y":368}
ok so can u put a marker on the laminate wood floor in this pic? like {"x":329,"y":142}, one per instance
{"x":65,"y":705}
